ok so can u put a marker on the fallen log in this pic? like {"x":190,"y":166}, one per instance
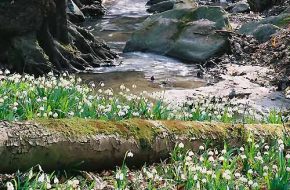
{"x":96,"y":145}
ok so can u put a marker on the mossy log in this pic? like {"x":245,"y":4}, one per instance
{"x":97,"y":145}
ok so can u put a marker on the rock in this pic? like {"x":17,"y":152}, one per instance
{"x":152,"y":2}
{"x":261,"y":5}
{"x":161,"y":7}
{"x":262,"y":30}
{"x":158,"y":6}
{"x":241,"y":7}
{"x":74,"y":13}
{"x":186,"y":34}
{"x":25,"y":53}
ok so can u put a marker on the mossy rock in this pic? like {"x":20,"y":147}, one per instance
{"x":262,"y":30}
{"x":187,"y":34}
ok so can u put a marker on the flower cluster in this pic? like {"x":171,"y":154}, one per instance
{"x":24,"y":97}
{"x":251,"y":166}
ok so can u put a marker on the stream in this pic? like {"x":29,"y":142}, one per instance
{"x":174,"y":80}
{"x":122,"y":18}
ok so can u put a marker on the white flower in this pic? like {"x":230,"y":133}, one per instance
{"x":203,"y":180}
{"x":75,"y":183}
{"x":102,"y":84}
{"x":119,"y":176}
{"x":190,"y":153}
{"x":265,"y":168}
{"x":250,"y":182}
{"x":55,"y":180}
{"x":55,"y":115}
{"x":41,"y":178}
{"x":275,"y":167}
{"x":250,"y":171}
{"x":224,"y":151}
{"x":242,"y":149}
{"x":280,"y":141}
{"x":201,"y":147}
{"x":243,"y":156}
{"x":9,"y":186}
{"x":48,"y":186}
{"x":130,"y":154}
{"x":255,"y":185}
{"x":221,"y":158}
{"x":210,"y":153}
{"x":181,"y":145}
{"x":237,"y":175}
{"x":267,"y":147}
{"x":287,"y":156}
{"x":288,"y":169}
{"x":211,"y":159}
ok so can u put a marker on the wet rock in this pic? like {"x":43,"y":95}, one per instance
{"x":161,"y":7}
{"x":262,"y":30}
{"x":241,"y":7}
{"x":152,"y":2}
{"x":261,"y":5}
{"x":74,"y":13}
{"x":187,"y":34}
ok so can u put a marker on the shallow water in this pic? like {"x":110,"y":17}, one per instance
{"x":122,"y":18}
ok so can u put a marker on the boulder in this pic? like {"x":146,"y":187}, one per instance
{"x":74,"y":13}
{"x":241,"y":7}
{"x":186,"y":34}
{"x":261,"y":5}
{"x":262,"y":30}
{"x":161,"y":7}
{"x":152,"y":2}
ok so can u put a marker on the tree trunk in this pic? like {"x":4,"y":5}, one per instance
{"x":61,"y":22}
{"x":97,"y":145}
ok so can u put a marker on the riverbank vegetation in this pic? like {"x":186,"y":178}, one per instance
{"x":25,"y":97}
{"x":255,"y":165}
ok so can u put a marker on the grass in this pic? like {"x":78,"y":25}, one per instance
{"x":24,"y":97}
{"x":255,"y":166}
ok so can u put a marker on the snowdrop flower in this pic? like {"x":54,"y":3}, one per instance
{"x":190,"y":153}
{"x":55,"y":180}
{"x":250,"y":171}
{"x":41,"y":178}
{"x":201,"y":147}
{"x":55,"y":115}
{"x":9,"y":186}
{"x":243,"y":156}
{"x":250,"y":182}
{"x":267,"y":147}
{"x":287,"y":156}
{"x":130,"y":154}
{"x":181,"y":145}
{"x":119,"y":176}
{"x":275,"y":167}
{"x":242,"y":149}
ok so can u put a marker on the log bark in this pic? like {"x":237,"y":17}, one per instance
{"x":98,"y":145}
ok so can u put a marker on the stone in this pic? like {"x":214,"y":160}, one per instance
{"x":262,"y":30}
{"x":74,"y":13}
{"x":161,"y":7}
{"x":186,"y":34}
{"x":241,"y":7}
{"x":261,"y":5}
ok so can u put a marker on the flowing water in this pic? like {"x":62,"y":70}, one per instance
{"x":122,"y":18}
